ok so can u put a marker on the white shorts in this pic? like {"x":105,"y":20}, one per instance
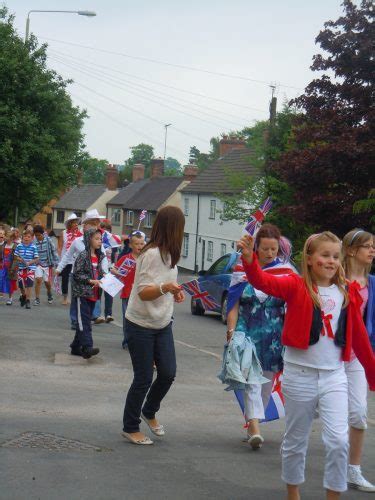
{"x":357,"y":392}
{"x":43,"y":272}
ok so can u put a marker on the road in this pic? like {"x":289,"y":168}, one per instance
{"x":60,"y":433}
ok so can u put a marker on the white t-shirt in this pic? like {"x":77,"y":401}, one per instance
{"x":324,"y":355}
{"x":151,"y":270}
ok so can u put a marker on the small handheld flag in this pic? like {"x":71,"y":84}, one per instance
{"x":195,"y":289}
{"x":110,"y":240}
{"x":257,"y":218}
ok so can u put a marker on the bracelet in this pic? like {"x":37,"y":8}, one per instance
{"x":161,"y":288}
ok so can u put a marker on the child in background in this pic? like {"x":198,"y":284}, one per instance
{"x":87,"y":273}
{"x":27,"y":256}
{"x":8,"y":283}
{"x":359,"y":253}
{"x":322,"y":324}
{"x":125,"y":270}
{"x":48,"y":258}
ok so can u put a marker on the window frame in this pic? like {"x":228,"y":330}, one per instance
{"x":129,"y":217}
{"x":212,"y":215}
{"x":223,"y":246}
{"x":186,"y":205}
{"x":116,"y":214}
{"x":185,"y":245}
{"x":58,"y":216}
{"x":148,"y":220}
{"x":210,"y":251}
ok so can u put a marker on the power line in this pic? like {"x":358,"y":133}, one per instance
{"x":153,"y":82}
{"x":155,"y":61}
{"x":98,"y":76}
{"x":119,"y":122}
{"x":89,"y":63}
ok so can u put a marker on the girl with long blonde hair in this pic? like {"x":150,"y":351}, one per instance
{"x":321,"y":315}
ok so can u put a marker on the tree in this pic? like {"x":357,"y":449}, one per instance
{"x":40,"y":129}
{"x":203,"y":160}
{"x":93,"y":169}
{"x":172,"y":167}
{"x":330,"y":167}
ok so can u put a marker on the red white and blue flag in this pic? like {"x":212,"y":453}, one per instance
{"x":110,"y":240}
{"x":256,"y":219}
{"x":195,"y":289}
{"x":142,"y":215}
{"x":126,"y":266}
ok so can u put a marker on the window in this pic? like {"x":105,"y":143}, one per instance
{"x":129,"y":218}
{"x":49,"y":221}
{"x":148,"y":220}
{"x":212,"y":209}
{"x":210,"y":250}
{"x":220,"y":266}
{"x":185,"y":245}
{"x":116,"y":216}
{"x":186,"y":206}
{"x":223,"y":249}
{"x":60,"y":216}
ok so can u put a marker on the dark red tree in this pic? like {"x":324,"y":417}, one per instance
{"x":331,"y":162}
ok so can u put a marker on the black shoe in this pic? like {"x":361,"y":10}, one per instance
{"x":87,"y":352}
{"x":76,"y":351}
{"x":22,"y":300}
{"x":27,"y":303}
{"x":73,"y":326}
{"x":49,"y":299}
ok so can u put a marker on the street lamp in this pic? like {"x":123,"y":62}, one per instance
{"x":87,"y":13}
{"x":165,"y":137}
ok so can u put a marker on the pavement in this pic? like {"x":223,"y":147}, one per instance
{"x":61,"y":420}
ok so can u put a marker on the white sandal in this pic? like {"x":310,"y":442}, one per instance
{"x":144,"y":441}
{"x":158,"y":430}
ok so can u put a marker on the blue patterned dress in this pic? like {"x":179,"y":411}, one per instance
{"x":262,"y":322}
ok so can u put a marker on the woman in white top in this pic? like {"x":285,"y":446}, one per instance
{"x":149,"y":324}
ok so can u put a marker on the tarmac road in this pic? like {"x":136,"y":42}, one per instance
{"x":60,"y":420}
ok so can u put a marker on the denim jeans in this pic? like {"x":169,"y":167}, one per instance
{"x":73,"y":310}
{"x":108,"y":302}
{"x":97,"y":310}
{"x":124,"y":307}
{"x":83,"y":336}
{"x":147,"y":345}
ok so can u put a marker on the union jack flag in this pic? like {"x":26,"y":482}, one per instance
{"x":126,"y":266}
{"x":193,"y":288}
{"x":257,"y":218}
{"x":142,"y":215}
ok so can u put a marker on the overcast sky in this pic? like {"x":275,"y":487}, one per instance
{"x":129,"y":99}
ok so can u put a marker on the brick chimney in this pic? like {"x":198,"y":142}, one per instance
{"x":138,"y":172}
{"x":157,"y":167}
{"x":229,"y":143}
{"x":190,"y":172}
{"x":111,"y":177}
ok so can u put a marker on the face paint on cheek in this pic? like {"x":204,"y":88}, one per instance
{"x":319,"y":263}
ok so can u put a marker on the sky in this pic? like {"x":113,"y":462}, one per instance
{"x":203,"y":66}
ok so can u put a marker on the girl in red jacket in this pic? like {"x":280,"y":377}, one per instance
{"x":322,"y":312}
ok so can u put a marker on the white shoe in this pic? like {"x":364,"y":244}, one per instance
{"x":357,"y":481}
{"x":255,"y":441}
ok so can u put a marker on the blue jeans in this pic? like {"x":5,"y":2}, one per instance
{"x":108,"y":302}
{"x":83,"y":336}
{"x":124,"y":307}
{"x":147,"y":346}
{"x":73,"y":310}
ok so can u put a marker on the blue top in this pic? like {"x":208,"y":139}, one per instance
{"x":27,"y":253}
{"x":370,"y":310}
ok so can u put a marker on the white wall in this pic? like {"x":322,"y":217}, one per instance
{"x":216,"y":230}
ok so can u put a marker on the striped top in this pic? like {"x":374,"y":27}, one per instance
{"x":46,"y":251}
{"x":27,"y":253}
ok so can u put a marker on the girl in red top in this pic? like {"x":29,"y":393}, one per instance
{"x":125,"y":270}
{"x":322,"y":313}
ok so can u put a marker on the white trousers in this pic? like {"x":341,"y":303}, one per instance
{"x":304,"y":390}
{"x":357,"y":391}
{"x":256,"y":397}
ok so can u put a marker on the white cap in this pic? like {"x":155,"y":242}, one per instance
{"x":92,"y":214}
{"x":72,"y":216}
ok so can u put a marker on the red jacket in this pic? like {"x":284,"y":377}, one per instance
{"x":299,"y":313}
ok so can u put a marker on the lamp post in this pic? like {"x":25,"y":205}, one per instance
{"x":165,"y":138}
{"x":87,"y":13}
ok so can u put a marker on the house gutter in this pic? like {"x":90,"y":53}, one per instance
{"x":196,"y":239}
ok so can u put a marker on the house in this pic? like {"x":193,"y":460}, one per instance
{"x":84,"y":197}
{"x":147,"y":194}
{"x":207,"y":234}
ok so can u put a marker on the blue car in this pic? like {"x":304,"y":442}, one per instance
{"x":216,"y":281}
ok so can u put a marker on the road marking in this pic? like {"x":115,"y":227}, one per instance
{"x":185,"y":345}
{"x":198,"y":349}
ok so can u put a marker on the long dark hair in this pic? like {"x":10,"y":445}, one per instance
{"x":167,"y":233}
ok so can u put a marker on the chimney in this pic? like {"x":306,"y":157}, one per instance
{"x":157,"y":167}
{"x":138,"y":172}
{"x":229,"y":143}
{"x":111,"y":177}
{"x":190,"y":172}
{"x":79,"y":177}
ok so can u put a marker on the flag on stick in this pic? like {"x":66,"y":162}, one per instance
{"x":257,"y":218}
{"x":195,"y":289}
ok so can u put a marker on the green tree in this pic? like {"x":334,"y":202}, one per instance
{"x":203,"y":160}
{"x":40,"y":129}
{"x":172,"y":167}
{"x":93,"y":169}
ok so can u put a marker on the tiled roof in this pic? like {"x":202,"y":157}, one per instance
{"x":216,"y":177}
{"x":127,"y":192}
{"x":81,"y":197}
{"x":154,"y":193}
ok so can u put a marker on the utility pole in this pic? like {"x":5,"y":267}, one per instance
{"x":165,"y":138}
{"x":273,"y":105}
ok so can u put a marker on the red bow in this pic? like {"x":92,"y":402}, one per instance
{"x":327,"y":325}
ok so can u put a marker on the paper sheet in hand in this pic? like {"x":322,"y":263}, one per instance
{"x":111,"y":284}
